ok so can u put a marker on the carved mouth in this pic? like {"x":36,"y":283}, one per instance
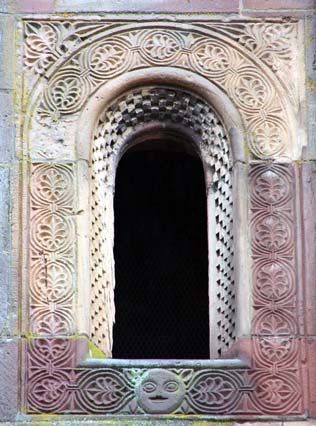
{"x":158,"y":399}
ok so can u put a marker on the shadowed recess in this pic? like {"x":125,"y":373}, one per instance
{"x":161,"y":260}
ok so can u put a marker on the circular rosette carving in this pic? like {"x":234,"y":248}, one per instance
{"x":160,"y":391}
{"x":53,"y":319}
{"x":52,"y":184}
{"x":213,"y":59}
{"x":268,"y":137}
{"x":104,"y":391}
{"x":275,"y":351}
{"x":160,"y":47}
{"x":251,"y":92}
{"x":48,"y":392}
{"x":272,"y":233}
{"x":108,"y":58}
{"x":274,"y":323}
{"x":214,"y":392}
{"x":51,"y":282}
{"x":52,"y":232}
{"x":53,"y":351}
{"x":271,"y":186}
{"x":274,"y":282}
{"x":276,"y":394}
{"x":66,"y":92}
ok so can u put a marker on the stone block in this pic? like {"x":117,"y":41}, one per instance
{"x":279,"y":4}
{"x":6,"y":125}
{"x":310,"y":84}
{"x":185,"y":6}
{"x":7,"y":47}
{"x":311,"y":373}
{"x":4,"y":247}
{"x":34,"y":6}
{"x":308,"y":173}
{"x":6,"y":6}
{"x":275,"y":8}
{"x":9,"y":372}
{"x":254,"y":423}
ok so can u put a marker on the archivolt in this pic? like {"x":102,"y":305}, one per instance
{"x":168,"y":106}
{"x":250,"y":86}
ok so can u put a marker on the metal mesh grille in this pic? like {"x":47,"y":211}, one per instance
{"x":161,"y":261}
{"x":118,"y":121}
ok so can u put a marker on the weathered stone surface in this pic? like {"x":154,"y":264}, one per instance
{"x":77,"y":421}
{"x":6,"y":125}
{"x":6,"y":6}
{"x":309,"y":241}
{"x":310,"y":86}
{"x":4,"y":247}
{"x":278,"y":4}
{"x":311,"y":373}
{"x":34,"y":6}
{"x":275,"y":8}
{"x":9,"y":378}
{"x":6,"y":49}
{"x":188,"y":6}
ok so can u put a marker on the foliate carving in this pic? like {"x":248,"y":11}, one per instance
{"x":216,"y":58}
{"x":275,"y":346}
{"x":277,"y":393}
{"x":273,"y":43}
{"x":40,"y":47}
{"x":104,"y":391}
{"x":53,"y":186}
{"x":212,"y":59}
{"x":52,"y":232}
{"x":214,"y":392}
{"x":239,"y":57}
{"x":168,"y":106}
{"x":52,"y":253}
{"x":66,"y":92}
{"x":275,"y":281}
{"x":56,"y":385}
{"x":108,"y":58}
{"x":160,"y":46}
{"x":47,"y":41}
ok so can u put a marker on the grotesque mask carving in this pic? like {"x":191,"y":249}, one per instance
{"x":160,"y":391}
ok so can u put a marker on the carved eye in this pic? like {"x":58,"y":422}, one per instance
{"x":171,"y":386}
{"x":149,"y":387}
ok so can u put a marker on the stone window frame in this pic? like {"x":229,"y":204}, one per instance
{"x":212,"y":146}
{"x":231,"y":120}
{"x":69,"y":213}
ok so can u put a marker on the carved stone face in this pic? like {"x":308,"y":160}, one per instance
{"x":160,"y":391}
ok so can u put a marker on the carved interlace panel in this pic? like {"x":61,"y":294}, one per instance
{"x":221,"y":54}
{"x":66,"y":61}
{"x":270,"y":385}
{"x":52,"y":256}
{"x":114,"y":125}
{"x":275,"y":342}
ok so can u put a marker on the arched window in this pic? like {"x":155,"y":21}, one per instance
{"x":161,"y":253}
{"x":178,"y":112}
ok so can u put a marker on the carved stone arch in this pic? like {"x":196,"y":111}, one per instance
{"x":257,"y":93}
{"x":169,"y":106}
{"x":230,"y":120}
{"x":65,"y":91}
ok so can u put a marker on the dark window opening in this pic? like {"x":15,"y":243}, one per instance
{"x":161,"y":257}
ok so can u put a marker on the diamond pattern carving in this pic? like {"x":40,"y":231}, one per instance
{"x":250,"y":62}
{"x":165,"y":105}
